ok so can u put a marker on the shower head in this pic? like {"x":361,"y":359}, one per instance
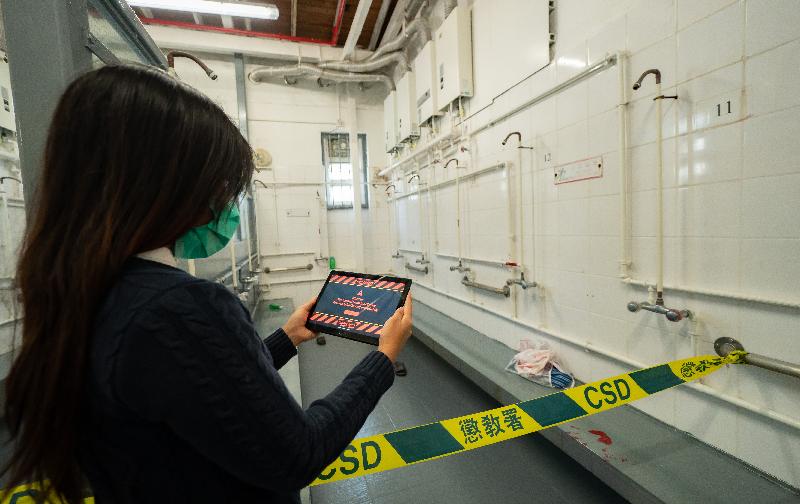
{"x":655,"y":71}
{"x":517,"y":133}
{"x":171,"y":62}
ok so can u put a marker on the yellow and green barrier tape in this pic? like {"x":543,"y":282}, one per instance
{"x":384,"y":452}
{"x":401,"y":448}
{"x":32,"y":494}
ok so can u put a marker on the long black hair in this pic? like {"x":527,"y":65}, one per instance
{"x":134,"y":158}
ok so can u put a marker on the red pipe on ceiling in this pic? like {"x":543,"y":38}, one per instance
{"x":247,"y":33}
{"x":337,"y":25}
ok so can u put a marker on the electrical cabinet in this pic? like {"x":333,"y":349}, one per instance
{"x":390,"y":121}
{"x":6,"y":102}
{"x":454,"y":57}
{"x":407,"y":126}
{"x":426,"y":90}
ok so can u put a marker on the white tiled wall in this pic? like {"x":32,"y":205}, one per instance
{"x":12,"y":226}
{"x":732,"y":193}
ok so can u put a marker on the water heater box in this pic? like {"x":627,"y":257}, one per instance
{"x":454,"y":57}
{"x":407,"y":127}
{"x":426,"y":89}
{"x":6,"y":103}
{"x":390,"y":121}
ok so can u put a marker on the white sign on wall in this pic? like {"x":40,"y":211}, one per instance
{"x":579,"y":170}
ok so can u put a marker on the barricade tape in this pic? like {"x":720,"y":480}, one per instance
{"x":384,"y":452}
{"x":392,"y":450}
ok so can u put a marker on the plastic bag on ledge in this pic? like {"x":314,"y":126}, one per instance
{"x":537,"y":362}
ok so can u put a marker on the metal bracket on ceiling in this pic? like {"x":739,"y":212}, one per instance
{"x":102,"y":52}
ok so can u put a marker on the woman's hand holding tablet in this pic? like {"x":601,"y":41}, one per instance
{"x":396,"y":331}
{"x":358,"y":306}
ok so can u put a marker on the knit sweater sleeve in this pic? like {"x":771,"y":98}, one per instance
{"x":280,"y":347}
{"x":193,"y":362}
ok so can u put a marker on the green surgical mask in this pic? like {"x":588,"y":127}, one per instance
{"x":208,"y":239}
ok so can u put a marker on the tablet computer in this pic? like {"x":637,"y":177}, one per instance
{"x":356,"y":305}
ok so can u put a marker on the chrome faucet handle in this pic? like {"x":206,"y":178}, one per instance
{"x":678,"y":315}
{"x":672,"y":314}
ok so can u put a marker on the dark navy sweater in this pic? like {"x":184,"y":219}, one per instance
{"x":184,"y":403}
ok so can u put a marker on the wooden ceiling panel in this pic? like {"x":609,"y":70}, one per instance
{"x":315,"y":18}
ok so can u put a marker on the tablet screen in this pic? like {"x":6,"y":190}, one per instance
{"x":357,"y":306}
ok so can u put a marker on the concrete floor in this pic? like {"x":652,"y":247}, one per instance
{"x":524,"y":470}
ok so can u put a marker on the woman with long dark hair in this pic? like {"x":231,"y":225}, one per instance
{"x":132,"y":374}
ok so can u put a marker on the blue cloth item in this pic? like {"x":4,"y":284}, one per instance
{"x":559,"y":379}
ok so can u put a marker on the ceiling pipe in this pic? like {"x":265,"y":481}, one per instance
{"x":305,"y":70}
{"x":395,"y":22}
{"x":369,"y":65}
{"x":418,"y":25}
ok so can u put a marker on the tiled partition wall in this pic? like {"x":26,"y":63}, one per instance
{"x":288,"y":122}
{"x":732,"y":187}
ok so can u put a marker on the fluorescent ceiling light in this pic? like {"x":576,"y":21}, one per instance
{"x":261,"y":11}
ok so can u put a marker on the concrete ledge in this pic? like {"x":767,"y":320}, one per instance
{"x":647,"y":460}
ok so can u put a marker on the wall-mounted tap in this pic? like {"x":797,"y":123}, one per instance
{"x":672,"y":314}
{"x":413,"y":176}
{"x":422,"y":260}
{"x":460,"y":268}
{"x":392,"y":187}
{"x":521,"y":282}
{"x":397,"y":255}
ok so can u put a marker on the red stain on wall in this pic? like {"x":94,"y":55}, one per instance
{"x":601,"y":436}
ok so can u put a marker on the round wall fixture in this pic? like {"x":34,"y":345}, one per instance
{"x":262,"y":159}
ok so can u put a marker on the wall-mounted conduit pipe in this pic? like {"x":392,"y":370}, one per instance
{"x":503,"y":291}
{"x":458,"y":207}
{"x":422,"y":241}
{"x":414,"y":267}
{"x":624,"y":211}
{"x":593,"y":69}
{"x":659,"y":178}
{"x":724,"y":346}
{"x":520,"y":220}
{"x":308,"y":267}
